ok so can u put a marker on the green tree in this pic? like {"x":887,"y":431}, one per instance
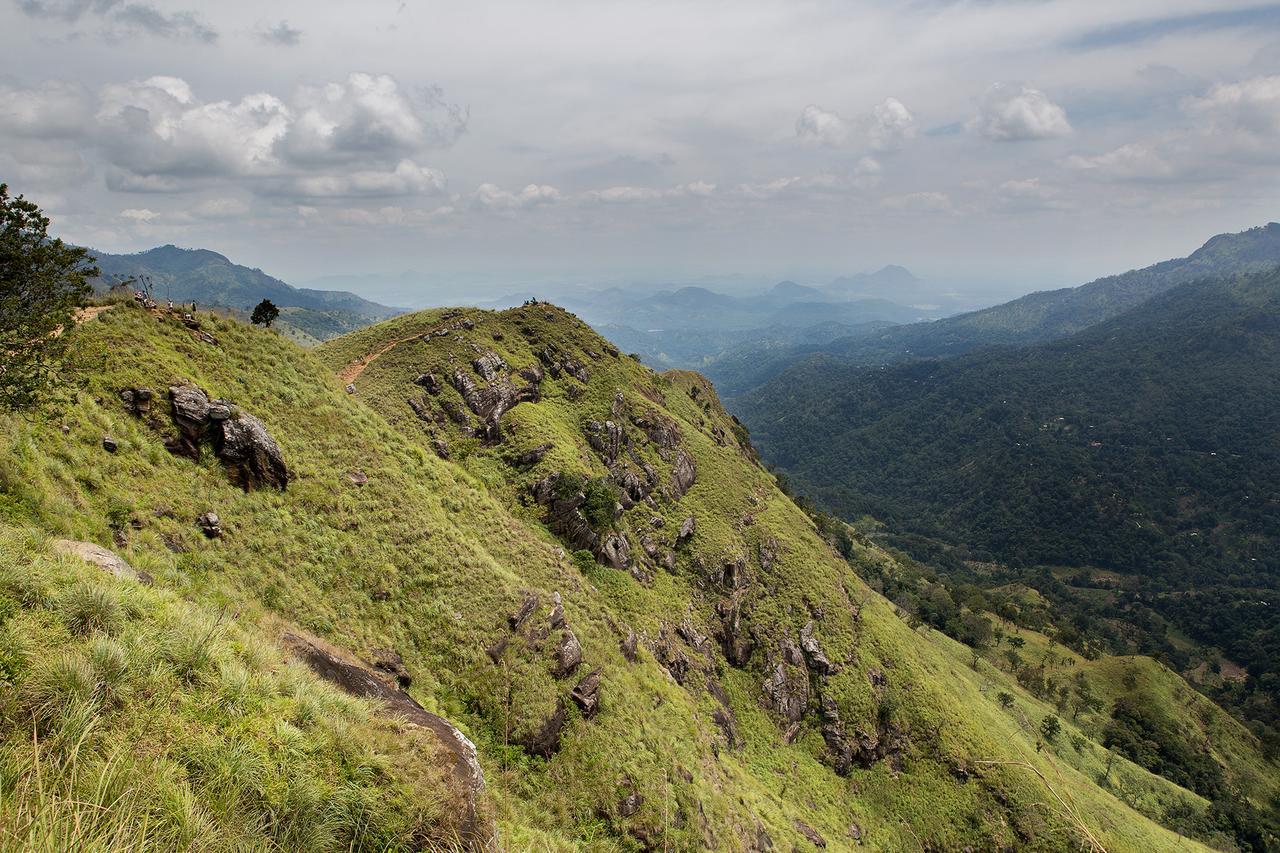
{"x":1049,"y":727}
{"x":42,"y":282}
{"x":265,"y":313}
{"x":1005,"y":699}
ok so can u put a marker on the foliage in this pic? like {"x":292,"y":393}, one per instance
{"x":42,"y":281}
{"x":264,"y":313}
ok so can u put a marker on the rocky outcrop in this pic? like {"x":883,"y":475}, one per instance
{"x":568,"y":654}
{"x":210,"y":525}
{"x":723,"y":716}
{"x":607,"y":438}
{"x":615,"y":550}
{"x":861,"y":749}
{"x":392,"y":663}
{"x":735,"y":640}
{"x":814,"y":837}
{"x":137,"y":401}
{"x":250,"y":453}
{"x":475,"y":829}
{"x":526,"y":608}
{"x":489,"y":365}
{"x":239,"y":439}
{"x":586,"y":694}
{"x":107,"y":560}
{"x":530,"y":457}
{"x":786,"y":689}
{"x":686,"y":530}
{"x":544,"y":741}
{"x":491,"y":400}
{"x":813,"y":653}
{"x":683,"y":474}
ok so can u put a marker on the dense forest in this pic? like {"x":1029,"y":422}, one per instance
{"x":1144,"y":451}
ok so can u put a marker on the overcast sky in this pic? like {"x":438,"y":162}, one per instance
{"x":1033,"y":142}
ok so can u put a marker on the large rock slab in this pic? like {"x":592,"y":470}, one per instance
{"x":104,"y":558}
{"x":340,"y":667}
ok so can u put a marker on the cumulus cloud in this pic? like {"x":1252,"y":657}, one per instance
{"x":493,"y":197}
{"x":1247,"y":112}
{"x":1135,"y":161}
{"x":361,"y":137}
{"x":885,"y":128}
{"x":369,"y":114}
{"x":282,"y":34}
{"x":822,"y":126}
{"x":140,"y":215}
{"x":157,"y":127}
{"x":407,"y":178}
{"x":625,"y":194}
{"x":1011,"y":112}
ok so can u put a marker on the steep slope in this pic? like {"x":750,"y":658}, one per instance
{"x":738,"y":689}
{"x":208,"y":279}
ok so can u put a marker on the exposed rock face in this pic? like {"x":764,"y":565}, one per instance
{"x":568,"y":654}
{"x":683,"y":474}
{"x":490,"y":366}
{"x":241,"y":442}
{"x":616,"y":551}
{"x":492,"y":400}
{"x":248,"y":450}
{"x":531,"y":457}
{"x":810,"y":833}
{"x":838,"y":746}
{"x":391,"y":662}
{"x":818,"y":661}
{"x":332,"y":664}
{"x":723,"y":716}
{"x":105,"y":559}
{"x":862,"y":749}
{"x":607,"y":439}
{"x":191,"y":417}
{"x":661,"y":430}
{"x":735,"y":640}
{"x":628,"y":645}
{"x":686,"y":530}
{"x":768,"y":553}
{"x":109,"y":444}
{"x":429,"y":381}
{"x":527,"y":606}
{"x":786,"y":690}
{"x":586,"y":694}
{"x":210,"y":525}
{"x":545,"y":740}
{"x":137,"y":401}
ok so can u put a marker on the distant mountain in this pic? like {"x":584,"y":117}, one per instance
{"x":1053,"y":314}
{"x":211,"y":279}
{"x":1147,"y":444}
{"x":891,"y":282}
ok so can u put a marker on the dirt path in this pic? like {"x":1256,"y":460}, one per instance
{"x":83,"y":314}
{"x":352,"y":371}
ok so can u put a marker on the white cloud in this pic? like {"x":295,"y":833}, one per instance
{"x":407,"y":178}
{"x":821,"y":126}
{"x":157,"y":127}
{"x":139,"y":215}
{"x":625,"y":194}
{"x":1010,"y":112}
{"x":493,"y":197}
{"x":1135,"y":161}
{"x":1245,"y":112}
{"x":890,"y":126}
{"x":221,"y":208}
{"x":885,"y":128}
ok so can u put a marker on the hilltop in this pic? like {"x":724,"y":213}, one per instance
{"x":210,"y":279}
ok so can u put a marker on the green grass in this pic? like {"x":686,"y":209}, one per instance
{"x":429,"y":558}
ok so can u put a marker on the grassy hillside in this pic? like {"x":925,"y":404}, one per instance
{"x":377,"y":543}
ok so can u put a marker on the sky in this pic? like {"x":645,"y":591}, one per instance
{"x":1004,"y":144}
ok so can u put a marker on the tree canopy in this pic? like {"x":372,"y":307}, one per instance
{"x":265,"y":313}
{"x":42,"y":282}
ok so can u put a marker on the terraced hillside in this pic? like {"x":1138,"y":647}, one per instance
{"x":575,"y":561}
